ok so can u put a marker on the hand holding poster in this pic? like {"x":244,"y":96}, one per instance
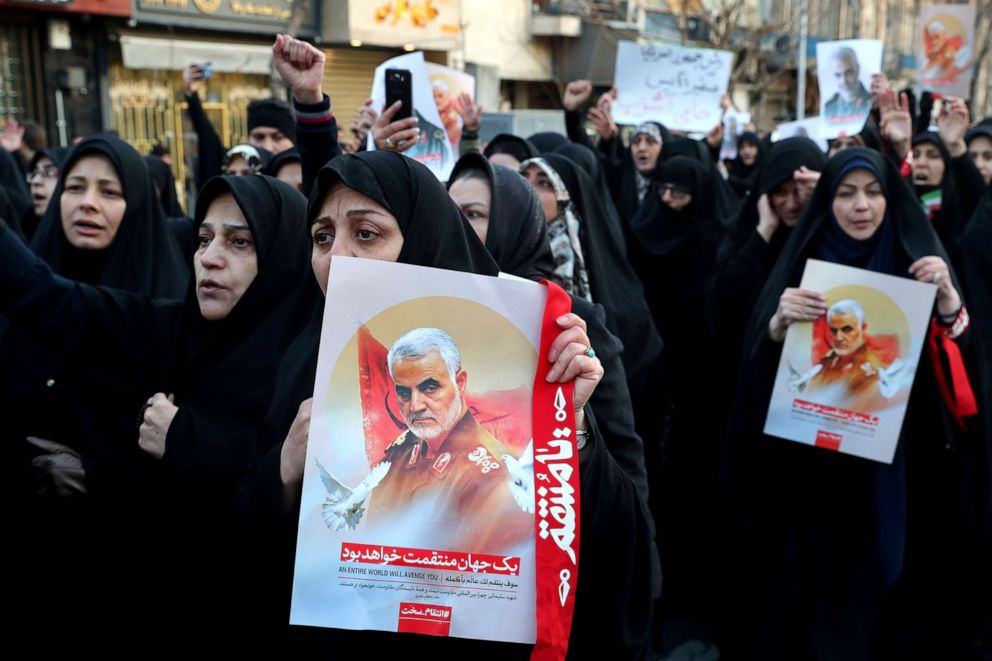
{"x":447,"y":85}
{"x":679,"y":87}
{"x":945,"y":56}
{"x":420,"y":496}
{"x":843,"y":72}
{"x":434,"y":149}
{"x":844,"y":380}
{"x":733,"y":127}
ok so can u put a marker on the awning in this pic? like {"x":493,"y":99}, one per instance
{"x":155,"y":53}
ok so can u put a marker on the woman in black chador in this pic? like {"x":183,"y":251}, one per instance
{"x":197,"y":375}
{"x":834,"y":556}
{"x":413,"y":221}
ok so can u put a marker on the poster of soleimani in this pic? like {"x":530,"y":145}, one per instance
{"x":844,"y":380}
{"x":418,"y":508}
{"x":434,"y":149}
{"x":945,"y":49}
{"x":843,"y":72}
{"x":447,"y":85}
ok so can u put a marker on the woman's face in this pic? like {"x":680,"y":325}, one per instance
{"x":43,"y":179}
{"x":353,"y":225}
{"x":238,"y":167}
{"x":225,"y":263}
{"x":844,"y":142}
{"x":474,"y":197}
{"x":786,"y":202}
{"x":92,"y":203}
{"x":859,"y":204}
{"x":747,"y":152}
{"x":674,"y":196}
{"x":545,"y":191}
{"x":980,"y":149}
{"x":928,"y":166}
{"x":292,"y":174}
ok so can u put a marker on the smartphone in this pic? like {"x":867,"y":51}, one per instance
{"x":399,"y":87}
{"x":207,"y":70}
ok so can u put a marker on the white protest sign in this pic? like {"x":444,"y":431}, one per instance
{"x":843,"y":72}
{"x":810,"y":127}
{"x":409,"y":518}
{"x":946,"y":46}
{"x":679,"y":87}
{"x":844,"y":380}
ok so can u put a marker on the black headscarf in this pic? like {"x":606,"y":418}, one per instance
{"x":507,"y":143}
{"x":434,"y":231}
{"x":278,"y":160}
{"x":961,"y":188}
{"x":12,"y":181}
{"x":983,"y":127}
{"x":144,"y":256}
{"x":611,"y":278}
{"x":547,"y":141}
{"x":784,"y":158}
{"x":588,"y":161}
{"x":726,"y":200}
{"x":660,"y":229}
{"x":165,"y":185}
{"x":273,"y":309}
{"x":742,"y":177}
{"x":517,"y":237}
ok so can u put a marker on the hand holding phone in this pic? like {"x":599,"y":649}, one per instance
{"x":399,"y":87}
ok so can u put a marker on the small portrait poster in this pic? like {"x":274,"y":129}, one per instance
{"x":733,"y":127}
{"x":946,"y":45}
{"x":447,"y":85}
{"x":418,"y":505}
{"x":844,"y":380}
{"x":843,"y":72}
{"x":434,"y":149}
{"x":811,"y":128}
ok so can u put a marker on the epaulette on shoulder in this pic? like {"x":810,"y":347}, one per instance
{"x":400,"y":440}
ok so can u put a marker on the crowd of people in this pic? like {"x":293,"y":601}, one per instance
{"x":157,"y":371}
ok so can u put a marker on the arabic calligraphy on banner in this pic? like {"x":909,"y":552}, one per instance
{"x":450,"y":560}
{"x":679,"y":87}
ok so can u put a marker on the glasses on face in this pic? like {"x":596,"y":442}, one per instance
{"x":48,"y":172}
{"x":677,"y":192}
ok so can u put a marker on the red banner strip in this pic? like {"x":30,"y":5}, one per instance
{"x":958,"y":395}
{"x":556,"y":481}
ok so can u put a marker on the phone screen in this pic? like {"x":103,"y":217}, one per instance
{"x":399,"y":88}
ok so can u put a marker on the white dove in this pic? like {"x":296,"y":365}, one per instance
{"x":896,"y":378}
{"x":797,"y":381}
{"x":343,"y":506}
{"x":521,"y":480}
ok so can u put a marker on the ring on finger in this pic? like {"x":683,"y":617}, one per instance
{"x":935,"y":278}
{"x":390,"y":145}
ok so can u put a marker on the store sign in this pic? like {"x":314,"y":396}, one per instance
{"x":120,"y":8}
{"x":426,"y":24}
{"x":248,"y":15}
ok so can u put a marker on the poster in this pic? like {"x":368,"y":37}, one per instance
{"x":810,"y":127}
{"x":434,"y":149}
{"x":417,"y":511}
{"x":945,"y":49}
{"x":733,"y":127}
{"x":679,"y":87}
{"x":447,"y":85}
{"x":843,"y":72}
{"x":844,"y":380}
